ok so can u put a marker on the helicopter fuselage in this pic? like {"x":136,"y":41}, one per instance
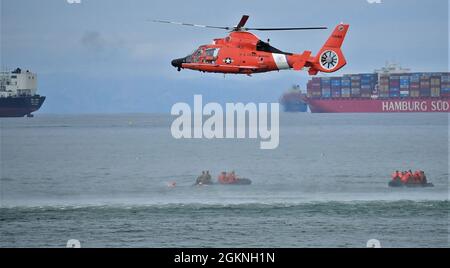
{"x":242,"y":52}
{"x":239,"y":53}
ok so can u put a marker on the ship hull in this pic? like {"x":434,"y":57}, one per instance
{"x":20,"y":106}
{"x":295,"y":107}
{"x":392,"y":105}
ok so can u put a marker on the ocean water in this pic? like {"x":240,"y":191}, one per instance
{"x":103,"y":179}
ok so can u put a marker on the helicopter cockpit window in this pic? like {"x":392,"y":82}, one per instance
{"x":211,"y":55}
{"x":203,"y":55}
{"x":212,"y":52}
{"x":190,"y":57}
{"x":195,"y":57}
{"x":263,"y":46}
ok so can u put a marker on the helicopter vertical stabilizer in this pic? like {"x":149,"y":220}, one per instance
{"x":330,"y":58}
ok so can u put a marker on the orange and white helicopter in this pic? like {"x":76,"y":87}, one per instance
{"x":242,"y":52}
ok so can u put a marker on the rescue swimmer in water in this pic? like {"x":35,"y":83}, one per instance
{"x":224,"y":179}
{"x":409,"y":179}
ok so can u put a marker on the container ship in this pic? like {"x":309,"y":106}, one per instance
{"x":18,"y":97}
{"x":293,"y":101}
{"x":391,"y":89}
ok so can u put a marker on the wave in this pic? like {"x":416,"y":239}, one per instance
{"x":354,"y":205}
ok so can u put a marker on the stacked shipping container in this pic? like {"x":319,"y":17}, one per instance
{"x":414,"y":86}
{"x":435,"y":85}
{"x":445,"y":85}
{"x":383,"y":86}
{"x":346,"y":84}
{"x":368,"y":85}
{"x":407,"y":85}
{"x":425,"y":90}
{"x":315,"y":88}
{"x":326,"y":87}
{"x":336,"y":87}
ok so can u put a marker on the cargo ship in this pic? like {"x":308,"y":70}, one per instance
{"x":293,"y":101}
{"x":18,"y":94}
{"x":391,"y":89}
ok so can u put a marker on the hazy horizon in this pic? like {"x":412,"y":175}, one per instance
{"x":107,"y":57}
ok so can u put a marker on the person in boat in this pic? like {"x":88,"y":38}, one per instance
{"x":223,"y":177}
{"x":396,"y":175}
{"x":411,"y":177}
{"x":231,"y":177}
{"x":201,"y":178}
{"x":423,"y":177}
{"x":405,"y":177}
{"x":402,"y":176}
{"x":419,"y":177}
{"x":208,"y":177}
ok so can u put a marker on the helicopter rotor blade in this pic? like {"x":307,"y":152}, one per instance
{"x":192,"y":25}
{"x":285,"y":29}
{"x":243,"y":21}
{"x":240,"y":26}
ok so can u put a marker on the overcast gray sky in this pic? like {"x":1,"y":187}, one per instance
{"x":105,"y":56}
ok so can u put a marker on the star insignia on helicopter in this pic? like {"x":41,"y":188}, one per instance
{"x":228,"y":60}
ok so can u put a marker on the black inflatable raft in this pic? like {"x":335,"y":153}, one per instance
{"x":399,"y":183}
{"x":239,"y":182}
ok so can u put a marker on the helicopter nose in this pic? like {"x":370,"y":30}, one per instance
{"x":177,"y":63}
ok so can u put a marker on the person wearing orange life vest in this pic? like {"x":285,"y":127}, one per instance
{"x":417,"y":177}
{"x":396,"y":175}
{"x":223,"y":177}
{"x":411,"y":176}
{"x":405,"y":177}
{"x":231,"y":177}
